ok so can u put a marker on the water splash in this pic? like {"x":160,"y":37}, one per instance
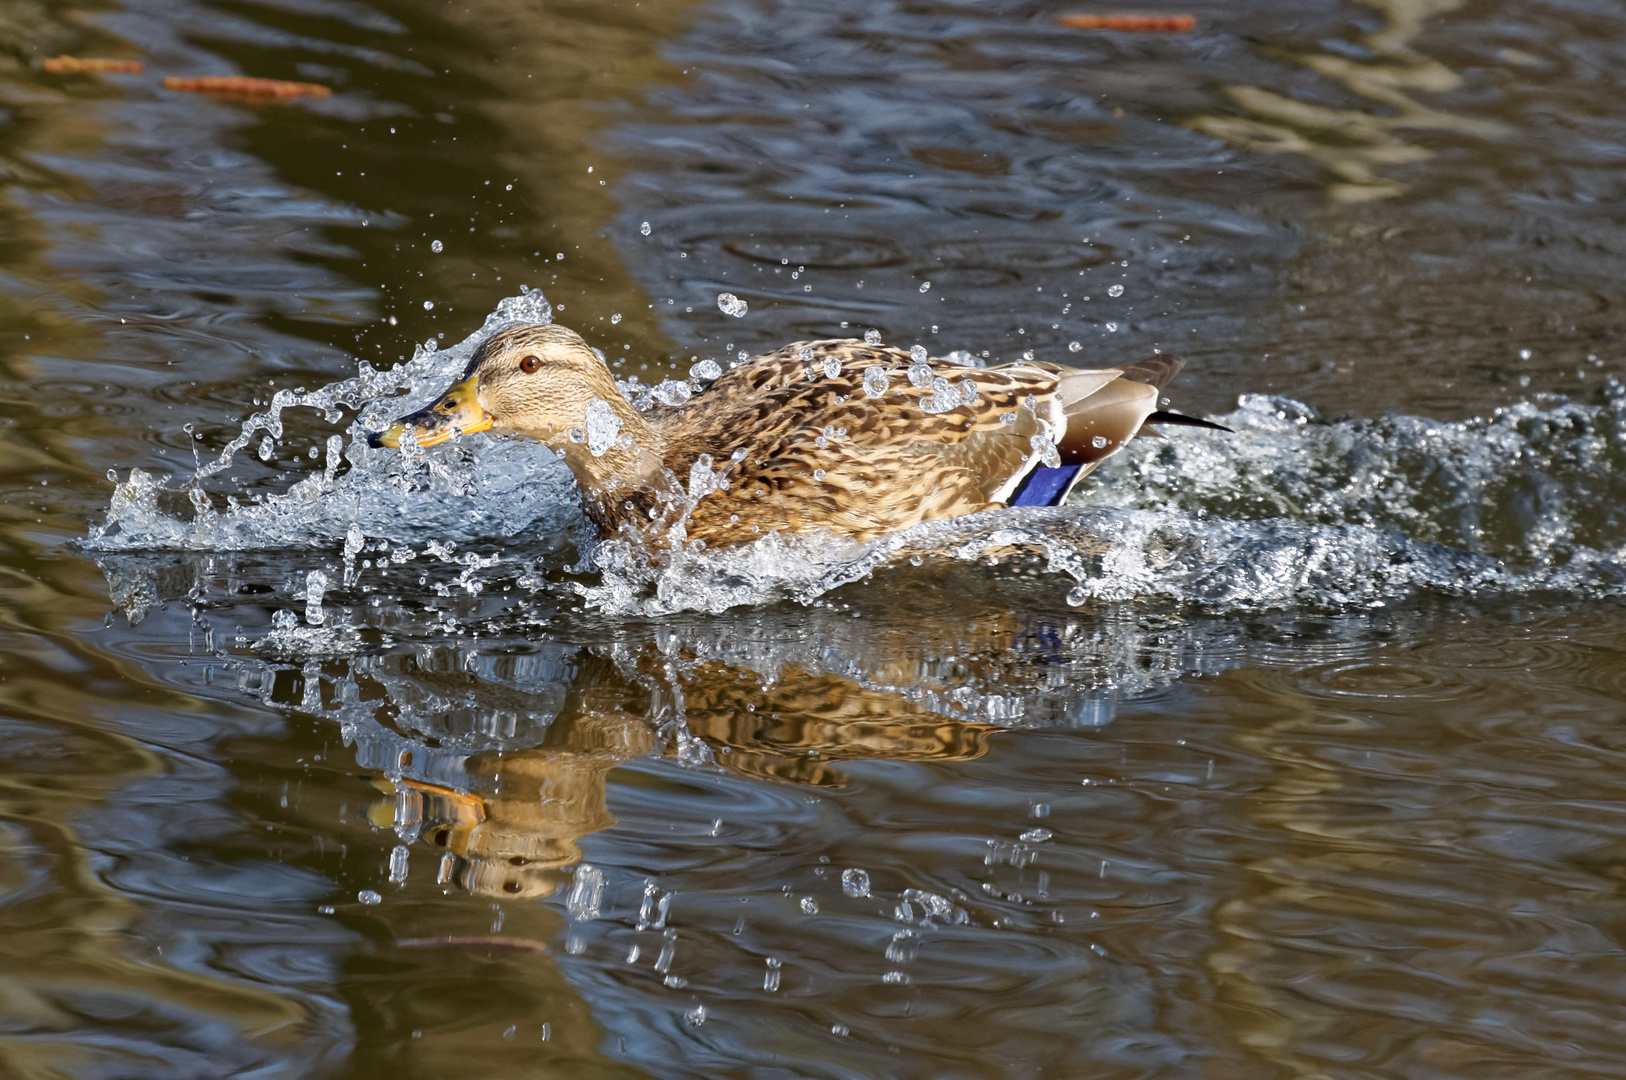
{"x":485,"y":488}
{"x":1290,"y":510}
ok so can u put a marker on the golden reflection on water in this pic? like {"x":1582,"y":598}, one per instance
{"x":521,"y":814}
{"x":1356,"y":144}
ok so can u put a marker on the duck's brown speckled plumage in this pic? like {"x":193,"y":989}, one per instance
{"x":794,"y":443}
{"x":886,"y":463}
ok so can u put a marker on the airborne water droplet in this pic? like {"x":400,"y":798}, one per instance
{"x":437,"y":247}
{"x":875,"y":381}
{"x":644,"y":228}
{"x":872,"y":337}
{"x":672,"y":392}
{"x":1115,"y":290}
{"x":602,"y":426}
{"x":729,"y":304}
{"x":315,"y":586}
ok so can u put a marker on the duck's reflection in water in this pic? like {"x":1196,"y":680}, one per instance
{"x":491,"y":727}
{"x":509,"y":818}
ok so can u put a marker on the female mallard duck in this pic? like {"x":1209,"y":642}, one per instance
{"x":841,"y":435}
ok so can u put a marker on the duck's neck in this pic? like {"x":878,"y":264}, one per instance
{"x":630,"y":469}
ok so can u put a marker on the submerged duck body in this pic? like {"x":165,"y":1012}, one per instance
{"x":840,"y":435}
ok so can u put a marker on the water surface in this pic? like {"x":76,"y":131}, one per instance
{"x":1291,"y":754}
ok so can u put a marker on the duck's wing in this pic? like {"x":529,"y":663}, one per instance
{"x":837,"y":432}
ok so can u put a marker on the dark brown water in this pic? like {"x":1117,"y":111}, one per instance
{"x":1294,"y":754}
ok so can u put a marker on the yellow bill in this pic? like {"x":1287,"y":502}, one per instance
{"x":458,"y":412}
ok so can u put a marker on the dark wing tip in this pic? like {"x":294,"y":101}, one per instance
{"x":1158,"y":370}
{"x":1181,"y":420}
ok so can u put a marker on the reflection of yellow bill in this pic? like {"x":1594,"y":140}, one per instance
{"x":458,"y":412}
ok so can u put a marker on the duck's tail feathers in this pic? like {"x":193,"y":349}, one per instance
{"x":1100,"y":423}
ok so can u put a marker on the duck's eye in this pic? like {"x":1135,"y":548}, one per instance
{"x":529,"y":365}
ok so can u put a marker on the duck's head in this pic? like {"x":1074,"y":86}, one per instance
{"x":534,"y":380}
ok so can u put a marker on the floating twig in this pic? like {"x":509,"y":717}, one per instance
{"x":69,"y":65}
{"x":1145,"y":24}
{"x":246,"y":88}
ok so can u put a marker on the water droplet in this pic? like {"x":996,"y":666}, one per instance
{"x":1099,"y":442}
{"x":942,"y":398}
{"x":838,"y":1029}
{"x":268,"y":447}
{"x":315,"y":586}
{"x":920,"y":375}
{"x":1045,"y":450}
{"x":398,"y":864}
{"x":875,"y":382}
{"x":832,"y":367}
{"x":968,"y":392}
{"x":1007,"y":418}
{"x":429,"y":305}
{"x":672,"y":392}
{"x":925,"y":286}
{"x":644,"y":228}
{"x":369,"y":897}
{"x":586,"y":894}
{"x":706,"y":371}
{"x":818,"y":474}
{"x":602,"y":426}
{"x":872,"y":337}
{"x":855,"y":883}
{"x":1524,"y":354}
{"x":284,"y":620}
{"x":1112,"y":328}
{"x":615,"y":318}
{"x":729,"y":304}
{"x":810,"y":906}
{"x":1115,"y":290}
{"x":1036,"y":836}
{"x":1073,"y":346}
{"x":695,"y":1016}
{"x":770,"y":978}
{"x":437,"y":247}
{"x":918,"y":354}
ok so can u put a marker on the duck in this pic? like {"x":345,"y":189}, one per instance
{"x":852,"y":437}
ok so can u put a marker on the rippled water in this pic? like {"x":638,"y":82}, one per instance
{"x":1293,"y":752}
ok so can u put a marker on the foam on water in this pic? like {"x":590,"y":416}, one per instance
{"x":1289,"y":510}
